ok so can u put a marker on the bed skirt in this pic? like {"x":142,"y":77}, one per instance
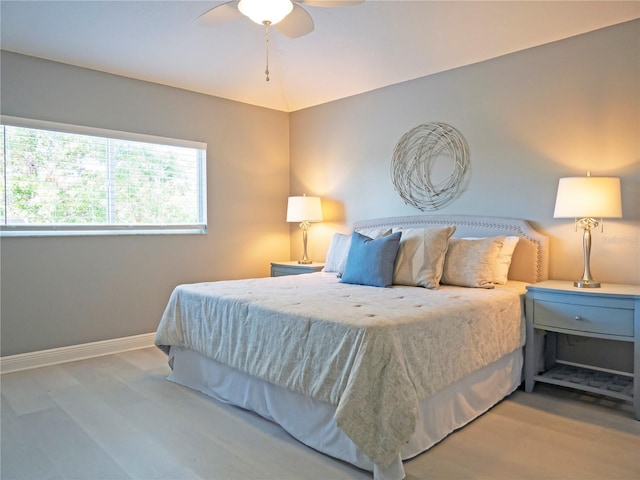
{"x":311,"y":421}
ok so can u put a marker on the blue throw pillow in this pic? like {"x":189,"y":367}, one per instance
{"x":371,"y":261}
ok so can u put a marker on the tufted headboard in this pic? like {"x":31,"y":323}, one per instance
{"x":530,"y":261}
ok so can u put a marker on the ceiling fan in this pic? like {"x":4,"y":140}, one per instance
{"x":286,"y":16}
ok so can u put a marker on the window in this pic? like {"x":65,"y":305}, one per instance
{"x":63,"y":179}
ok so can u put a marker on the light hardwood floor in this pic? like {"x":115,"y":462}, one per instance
{"x":118,"y":417}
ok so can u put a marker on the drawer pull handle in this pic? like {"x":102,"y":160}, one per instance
{"x":578,"y":318}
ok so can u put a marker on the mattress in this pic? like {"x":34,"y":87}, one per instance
{"x":373,"y":354}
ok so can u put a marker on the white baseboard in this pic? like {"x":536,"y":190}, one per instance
{"x":43,"y":358}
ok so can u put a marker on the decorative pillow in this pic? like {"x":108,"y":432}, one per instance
{"x":371,"y":261}
{"x":337,"y":253}
{"x":375,"y":232}
{"x":501,"y":272}
{"x":471,"y":263}
{"x":339,"y":249}
{"x":421,"y":256}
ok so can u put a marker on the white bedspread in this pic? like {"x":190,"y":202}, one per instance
{"x":375,"y":353}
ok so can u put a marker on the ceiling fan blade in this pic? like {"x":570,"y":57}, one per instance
{"x":296,"y":24}
{"x":329,"y":3}
{"x":219,"y":14}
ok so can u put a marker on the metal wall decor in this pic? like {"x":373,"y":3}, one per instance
{"x":413,"y":161}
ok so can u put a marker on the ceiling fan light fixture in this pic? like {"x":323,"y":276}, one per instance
{"x":265,"y":12}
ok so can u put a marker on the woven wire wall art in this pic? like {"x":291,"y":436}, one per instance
{"x":414,"y":159}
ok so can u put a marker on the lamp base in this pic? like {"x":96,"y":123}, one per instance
{"x":587,"y":280}
{"x":305,"y":262}
{"x":586,"y":284}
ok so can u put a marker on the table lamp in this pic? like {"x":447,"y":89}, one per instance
{"x":304,"y":210}
{"x":584,"y":198}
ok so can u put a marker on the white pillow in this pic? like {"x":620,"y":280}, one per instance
{"x":337,"y":253}
{"x":421,"y":256}
{"x":500,"y":274}
{"x":471,"y":262}
{"x":503,"y":262}
{"x":374,"y":232}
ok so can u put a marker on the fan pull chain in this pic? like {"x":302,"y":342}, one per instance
{"x":266,"y":36}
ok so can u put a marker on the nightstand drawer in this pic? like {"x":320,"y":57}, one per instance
{"x":601,"y":320}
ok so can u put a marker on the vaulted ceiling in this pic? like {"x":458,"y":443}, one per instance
{"x":352,"y":49}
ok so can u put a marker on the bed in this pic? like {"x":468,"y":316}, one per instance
{"x":372,"y":376}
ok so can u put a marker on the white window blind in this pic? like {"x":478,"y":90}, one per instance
{"x":64,"y":179}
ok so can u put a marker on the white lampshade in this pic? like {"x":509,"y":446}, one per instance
{"x":261,"y":11}
{"x":304,"y":209}
{"x":597,"y":197}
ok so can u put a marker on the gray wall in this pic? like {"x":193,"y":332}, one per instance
{"x":70,"y":290}
{"x":529,"y":118}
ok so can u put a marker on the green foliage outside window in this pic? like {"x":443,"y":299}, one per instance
{"x":57,"y":178}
